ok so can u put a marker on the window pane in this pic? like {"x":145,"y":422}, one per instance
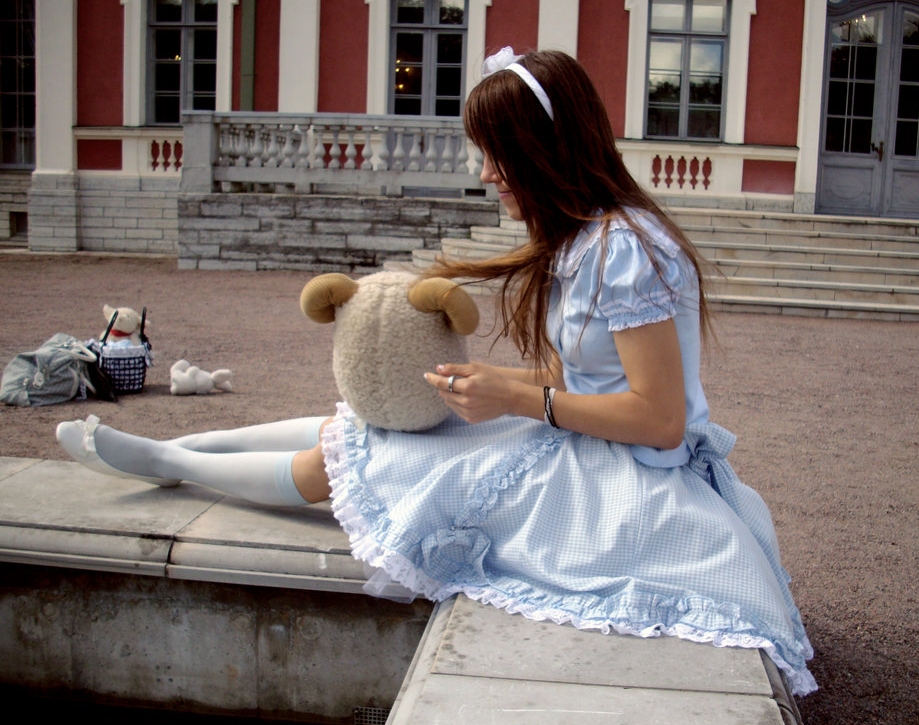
{"x":168,"y":44}
{"x":166,"y":109}
{"x":860,"y":142}
{"x":448,"y":81}
{"x":168,"y":11}
{"x":667,"y":14}
{"x":409,"y":48}
{"x":410,"y":11}
{"x":206,"y":11}
{"x":450,"y":48}
{"x":709,"y":16}
{"x":447,"y":107}
{"x":705,"y":89}
{"x":205,"y":45}
{"x":204,"y":103}
{"x":908,"y":102}
{"x":910,"y":29}
{"x":408,"y":106}
{"x":168,"y":77}
{"x":907,"y":143}
{"x":863,"y":99}
{"x":704,"y":124}
{"x":451,"y":13}
{"x":27,"y":75}
{"x":27,"y":111}
{"x":865,"y":62}
{"x":663,"y":121}
{"x":837,"y":95}
{"x":408,"y":80}
{"x":909,"y":65}
{"x":664,"y":88}
{"x":835,"y":134}
{"x":666,"y":55}
{"x":204,"y":77}
{"x":705,"y":57}
{"x":839,"y":61}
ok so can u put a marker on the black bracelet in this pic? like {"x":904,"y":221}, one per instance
{"x":548,"y":395}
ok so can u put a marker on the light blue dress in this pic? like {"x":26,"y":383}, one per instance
{"x":557,"y":525}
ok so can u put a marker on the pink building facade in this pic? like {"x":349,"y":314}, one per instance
{"x":800,"y":106}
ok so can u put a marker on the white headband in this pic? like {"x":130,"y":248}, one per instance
{"x":505,"y":59}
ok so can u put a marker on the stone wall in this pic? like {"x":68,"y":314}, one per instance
{"x":14,"y":200}
{"x":318,"y":233}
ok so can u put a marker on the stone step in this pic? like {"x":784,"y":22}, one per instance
{"x":819,"y":223}
{"x":782,"y":289}
{"x":818,"y":272}
{"x":781,"y":253}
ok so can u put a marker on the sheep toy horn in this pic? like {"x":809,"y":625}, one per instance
{"x":322,"y":294}
{"x":437,"y":294}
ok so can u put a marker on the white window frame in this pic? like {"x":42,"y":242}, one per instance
{"x":735,"y":94}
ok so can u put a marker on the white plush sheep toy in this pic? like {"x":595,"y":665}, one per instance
{"x":188,"y":379}
{"x":391,"y":328}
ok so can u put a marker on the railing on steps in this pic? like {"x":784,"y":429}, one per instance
{"x":322,"y":152}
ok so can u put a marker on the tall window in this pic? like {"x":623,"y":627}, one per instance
{"x":428,"y":39}
{"x":17,"y":84}
{"x":182,"y":62}
{"x":687,"y":42}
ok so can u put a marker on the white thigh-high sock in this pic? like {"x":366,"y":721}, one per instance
{"x":297,"y":434}
{"x":259,"y":476}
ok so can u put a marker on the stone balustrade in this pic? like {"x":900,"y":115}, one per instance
{"x":329,"y":153}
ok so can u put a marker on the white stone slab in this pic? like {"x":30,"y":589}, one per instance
{"x":488,"y":701}
{"x":544,"y":651}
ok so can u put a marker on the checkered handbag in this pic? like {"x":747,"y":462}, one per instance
{"x":124,"y":365}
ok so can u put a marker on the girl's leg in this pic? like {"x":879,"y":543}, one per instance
{"x":265,"y":477}
{"x":297,"y":434}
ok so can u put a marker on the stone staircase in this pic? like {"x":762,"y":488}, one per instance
{"x":778,"y":263}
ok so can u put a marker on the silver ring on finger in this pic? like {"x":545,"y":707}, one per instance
{"x":450,"y":381}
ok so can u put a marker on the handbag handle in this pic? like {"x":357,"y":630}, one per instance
{"x":109,"y":328}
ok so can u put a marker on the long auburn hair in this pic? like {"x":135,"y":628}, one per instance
{"x":562,"y":173}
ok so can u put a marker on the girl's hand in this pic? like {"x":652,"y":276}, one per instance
{"x":479,"y":392}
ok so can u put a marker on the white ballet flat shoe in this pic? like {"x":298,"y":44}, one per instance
{"x":77,"y":437}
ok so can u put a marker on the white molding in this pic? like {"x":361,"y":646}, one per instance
{"x":134,"y":63}
{"x":224,"y":89}
{"x":475,"y":43}
{"x":55,"y":86}
{"x":298,"y":57}
{"x":735,"y":102}
{"x":809,"y":103}
{"x":558,"y":26}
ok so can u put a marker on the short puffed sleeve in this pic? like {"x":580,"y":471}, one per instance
{"x":632,"y":291}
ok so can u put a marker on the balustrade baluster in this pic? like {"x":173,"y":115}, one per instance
{"x":367,"y":152}
{"x":257,"y":148}
{"x":430,"y":152}
{"x":242,"y":145}
{"x":414,"y":154}
{"x":398,"y":154}
{"x":384,"y":155}
{"x":303,"y":151}
{"x":446,"y":163}
{"x":287,"y":151}
{"x":318,"y":159}
{"x":335,"y":150}
{"x":350,"y":149}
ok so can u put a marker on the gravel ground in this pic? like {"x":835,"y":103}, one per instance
{"x":826,"y":413}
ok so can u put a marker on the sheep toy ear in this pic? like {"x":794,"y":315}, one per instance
{"x":322,"y":294}
{"x":437,"y":294}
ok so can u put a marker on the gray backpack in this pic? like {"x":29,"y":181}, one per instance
{"x":56,"y":372}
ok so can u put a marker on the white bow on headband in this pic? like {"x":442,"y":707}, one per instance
{"x":505,"y":59}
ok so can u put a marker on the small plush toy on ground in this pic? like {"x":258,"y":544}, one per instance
{"x":188,"y":379}
{"x":391,"y":328}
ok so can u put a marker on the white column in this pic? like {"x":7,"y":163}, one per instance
{"x":224,"y":55}
{"x":53,"y":199}
{"x":298,"y":57}
{"x":55,"y":85}
{"x":377,"y":56}
{"x":134,"y":62}
{"x":637,"y":68}
{"x":475,"y":42}
{"x":558,"y":26}
{"x":809,"y":118}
